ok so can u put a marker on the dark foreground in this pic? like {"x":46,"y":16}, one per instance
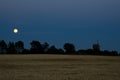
{"x":59,"y":67}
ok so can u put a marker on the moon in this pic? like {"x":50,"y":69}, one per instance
{"x":15,"y":30}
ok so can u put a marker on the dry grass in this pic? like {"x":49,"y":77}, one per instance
{"x":59,"y":67}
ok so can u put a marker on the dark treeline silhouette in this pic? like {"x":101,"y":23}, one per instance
{"x":45,"y":48}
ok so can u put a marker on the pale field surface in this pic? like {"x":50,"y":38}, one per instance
{"x":59,"y":67}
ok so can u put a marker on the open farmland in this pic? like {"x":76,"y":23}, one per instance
{"x":59,"y":67}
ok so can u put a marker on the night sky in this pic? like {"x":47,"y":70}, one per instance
{"x":81,"y":22}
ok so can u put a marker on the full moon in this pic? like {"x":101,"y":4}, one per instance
{"x":15,"y":30}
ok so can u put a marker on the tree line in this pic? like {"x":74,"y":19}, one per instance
{"x":45,"y":48}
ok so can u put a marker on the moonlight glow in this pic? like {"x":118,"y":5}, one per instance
{"x":15,"y":30}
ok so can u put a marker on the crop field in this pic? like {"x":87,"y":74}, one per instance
{"x":59,"y":67}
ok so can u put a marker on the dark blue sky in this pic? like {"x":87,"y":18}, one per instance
{"x":81,"y":22}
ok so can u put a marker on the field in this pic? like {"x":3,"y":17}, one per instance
{"x":59,"y":67}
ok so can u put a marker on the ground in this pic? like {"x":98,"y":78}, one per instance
{"x":59,"y":67}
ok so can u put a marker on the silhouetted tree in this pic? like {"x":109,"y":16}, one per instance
{"x":90,"y":52}
{"x":26,"y":51}
{"x":114,"y":53}
{"x":60,"y":51}
{"x":106,"y":52}
{"x":11,"y":48}
{"x":110,"y":53}
{"x":19,"y":46}
{"x":36,"y":47}
{"x":96,"y":47}
{"x":3,"y":46}
{"x":45,"y":46}
{"x":52,"y":50}
{"x":69,"y":48}
{"x":81,"y":52}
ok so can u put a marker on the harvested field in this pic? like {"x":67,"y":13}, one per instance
{"x":59,"y":67}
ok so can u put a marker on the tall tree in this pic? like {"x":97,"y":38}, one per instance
{"x":45,"y":46}
{"x":19,"y":45}
{"x":11,"y":48}
{"x":36,"y":47}
{"x":3,"y":46}
{"x":69,"y":48}
{"x":96,"y":47}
